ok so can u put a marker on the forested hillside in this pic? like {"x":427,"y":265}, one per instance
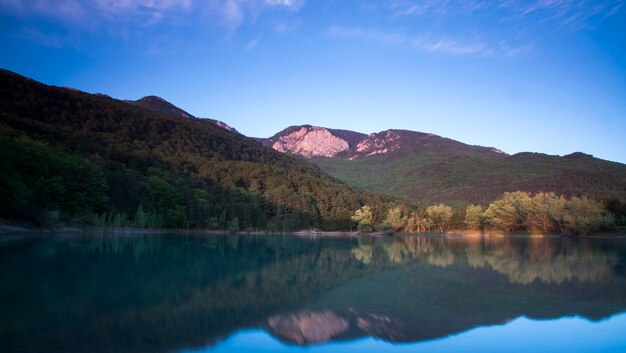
{"x":427,"y":178}
{"x":425,"y":168}
{"x":68,"y":156}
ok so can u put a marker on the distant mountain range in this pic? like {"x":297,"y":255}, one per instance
{"x":427,"y":168}
{"x":69,"y":154}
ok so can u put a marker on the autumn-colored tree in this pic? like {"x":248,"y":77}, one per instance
{"x":395,"y":219}
{"x":363,"y":217}
{"x":412,"y":222}
{"x":474,"y":217}
{"x":439,"y":215}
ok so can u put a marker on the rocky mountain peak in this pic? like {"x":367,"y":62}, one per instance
{"x":309,"y":141}
{"x":314,"y":141}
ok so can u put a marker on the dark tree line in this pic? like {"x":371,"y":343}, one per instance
{"x":137,"y":167}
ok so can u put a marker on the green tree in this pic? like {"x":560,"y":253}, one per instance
{"x":440,"y":215}
{"x":547,"y":211}
{"x":141,"y":217}
{"x":510,"y":212}
{"x":233,"y":226}
{"x":583,"y":216}
{"x":474,"y":217}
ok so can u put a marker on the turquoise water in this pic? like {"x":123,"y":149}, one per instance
{"x":242,"y":293}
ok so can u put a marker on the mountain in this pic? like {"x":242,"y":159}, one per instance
{"x":314,"y":141}
{"x":427,"y":168}
{"x":160,"y":105}
{"x":69,"y":156}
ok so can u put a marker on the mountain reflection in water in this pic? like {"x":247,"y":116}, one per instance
{"x":522,"y":335}
{"x":175,"y":292}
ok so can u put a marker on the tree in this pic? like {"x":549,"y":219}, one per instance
{"x":233,"y":226}
{"x":425,"y":225}
{"x":474,"y":217}
{"x":395,"y":219}
{"x":363,"y":217}
{"x":412,"y":223}
{"x":584,"y":216}
{"x":141,"y":217}
{"x":439,"y":215}
{"x":547,"y":212}
{"x":510,"y":212}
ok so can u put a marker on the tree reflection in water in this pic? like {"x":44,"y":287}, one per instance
{"x":168,"y":292}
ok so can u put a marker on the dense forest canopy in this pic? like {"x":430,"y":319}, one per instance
{"x":71,"y":156}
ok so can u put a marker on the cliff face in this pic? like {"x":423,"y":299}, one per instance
{"x":311,"y":142}
{"x":314,"y":141}
{"x":379,"y":143}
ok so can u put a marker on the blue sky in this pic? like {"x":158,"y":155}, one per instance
{"x":520,"y":75}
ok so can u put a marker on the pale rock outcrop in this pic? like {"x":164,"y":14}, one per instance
{"x":379,"y":143}
{"x":380,"y":326}
{"x":311,"y":142}
{"x":308,"y":327}
{"x":223,"y":125}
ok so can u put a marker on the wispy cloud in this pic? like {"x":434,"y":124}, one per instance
{"x":229,"y":13}
{"x":410,"y":8}
{"x":251,"y":45}
{"x":567,"y":13}
{"x":574,"y":14}
{"x":77,"y":11}
{"x":283,"y":27}
{"x":432,"y":43}
{"x":479,"y":28}
{"x":52,"y":40}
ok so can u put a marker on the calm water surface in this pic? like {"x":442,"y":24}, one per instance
{"x":241,"y":293}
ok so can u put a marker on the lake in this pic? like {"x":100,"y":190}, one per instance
{"x":245,"y":293}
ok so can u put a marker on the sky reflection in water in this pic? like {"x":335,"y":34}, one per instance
{"x":173,"y":293}
{"x":570,"y":334}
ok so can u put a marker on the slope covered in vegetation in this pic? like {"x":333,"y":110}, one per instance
{"x":443,"y":170}
{"x":73,"y":156}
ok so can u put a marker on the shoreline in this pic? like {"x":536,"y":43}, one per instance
{"x":6,"y":229}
